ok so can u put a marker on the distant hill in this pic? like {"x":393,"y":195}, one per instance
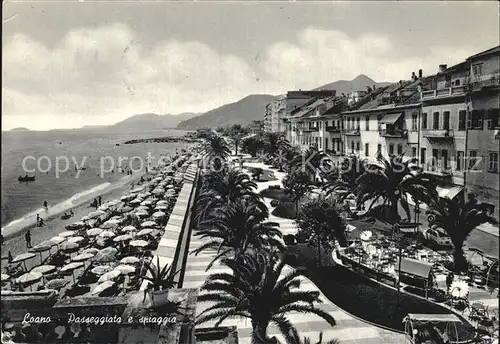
{"x":243,"y":112}
{"x":359,"y":83}
{"x":148,"y":121}
{"x":19,"y":129}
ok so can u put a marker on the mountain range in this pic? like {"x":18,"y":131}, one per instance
{"x":359,"y":83}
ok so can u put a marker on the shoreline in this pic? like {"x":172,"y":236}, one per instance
{"x":20,"y":226}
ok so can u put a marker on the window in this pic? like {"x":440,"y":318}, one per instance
{"x":352,"y":146}
{"x":435,"y":157}
{"x":357,"y":124}
{"x":391,"y":149}
{"x":435,"y":120}
{"x":444,"y":156}
{"x":493,"y":118}
{"x":357,"y":146}
{"x":424,"y":120}
{"x":446,"y":120}
{"x":493,"y":162}
{"x":414,"y":152}
{"x":477,"y":119}
{"x":326,"y":143}
{"x":462,"y":117}
{"x":379,"y":148}
{"x":460,"y":160}
{"x":338,"y":145}
{"x":379,"y":118}
{"x":367,"y":123}
{"x":367,"y":149}
{"x":472,"y":159}
{"x":414,"y":120}
{"x":423,"y":155}
{"x":400,"y":149}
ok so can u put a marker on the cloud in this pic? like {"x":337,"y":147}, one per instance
{"x":105,"y":74}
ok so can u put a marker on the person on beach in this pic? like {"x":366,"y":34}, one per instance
{"x":45,"y":204}
{"x":27,"y":237}
{"x":37,"y":219}
{"x":9,"y":257}
{"x":100,"y":200}
{"x":71,"y":213}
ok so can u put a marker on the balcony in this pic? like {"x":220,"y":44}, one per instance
{"x":310,"y":128}
{"x":352,"y":132}
{"x":453,"y":91}
{"x":394,"y":133}
{"x":332,"y":129}
{"x":438,"y":134}
{"x":485,"y":82}
{"x":438,"y":174}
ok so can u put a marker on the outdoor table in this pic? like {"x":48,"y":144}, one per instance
{"x":479,"y":309}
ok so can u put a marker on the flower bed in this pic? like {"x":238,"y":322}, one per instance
{"x":374,"y":302}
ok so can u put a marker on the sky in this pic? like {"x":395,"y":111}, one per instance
{"x":74,"y":63}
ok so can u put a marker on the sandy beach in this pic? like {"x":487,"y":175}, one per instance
{"x":16,"y":243}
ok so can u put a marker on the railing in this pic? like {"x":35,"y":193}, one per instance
{"x":310,"y":128}
{"x":490,"y":82}
{"x":395,"y":133}
{"x":352,"y":132}
{"x":435,"y":133}
{"x":445,"y":92}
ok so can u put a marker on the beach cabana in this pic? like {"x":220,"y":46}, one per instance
{"x":416,"y":273}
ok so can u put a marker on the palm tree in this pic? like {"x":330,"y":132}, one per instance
{"x":312,"y":161}
{"x":458,"y":221}
{"x":252,"y":145}
{"x":274,"y":143}
{"x":320,"y":341}
{"x":161,"y":278}
{"x":224,"y":187}
{"x":237,"y":227}
{"x":236,"y":133}
{"x":389,"y":182}
{"x":342,"y":181}
{"x":255,"y":291}
{"x":216,"y":149}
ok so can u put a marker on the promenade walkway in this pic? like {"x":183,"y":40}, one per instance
{"x":348,"y":330}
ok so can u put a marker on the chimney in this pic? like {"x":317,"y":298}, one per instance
{"x":374,"y":87}
{"x":442,"y":68}
{"x":343,"y":94}
{"x":401,"y":82}
{"x":419,"y":88}
{"x":413,"y":76}
{"x":420,"y":73}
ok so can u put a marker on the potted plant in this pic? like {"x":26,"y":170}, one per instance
{"x":161,"y":279}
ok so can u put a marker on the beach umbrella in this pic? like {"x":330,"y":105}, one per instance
{"x":108,"y":276}
{"x":101,"y":270}
{"x":75,"y":225}
{"x":113,"y":202}
{"x":85,"y":218}
{"x":76,"y":239}
{"x":159,"y":214}
{"x":109,"y":225}
{"x":143,"y":207}
{"x":130,"y":260}
{"x":137,"y":189}
{"x":459,"y":289}
{"x":148,"y":224}
{"x":142,"y":213}
{"x":123,"y":237}
{"x":162,"y":202}
{"x":82,"y":257}
{"x":106,"y":255}
{"x":147,"y":202}
{"x":57,"y":240}
{"x":161,"y":207}
{"x":56,"y":283}
{"x":5,"y":277}
{"x":102,"y":287}
{"x":42,"y":247}
{"x":94,"y":232}
{"x":103,"y":207}
{"x":107,"y":234}
{"x":125,"y":209}
{"x":128,"y":229}
{"x":66,"y":234}
{"x":92,"y":250}
{"x":23,"y":257}
{"x":70,"y":247}
{"x":29,"y":278}
{"x":145,"y":231}
{"x":72,"y":267}
{"x":159,"y":191}
{"x":136,"y":201}
{"x":125,"y":269}
{"x":144,"y":194}
{"x":138,"y":243}
{"x":44,"y":269}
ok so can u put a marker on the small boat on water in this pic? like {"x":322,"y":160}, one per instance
{"x":26,"y":179}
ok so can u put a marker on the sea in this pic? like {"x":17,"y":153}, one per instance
{"x":51,"y":157}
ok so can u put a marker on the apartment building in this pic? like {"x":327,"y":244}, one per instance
{"x":274,"y":115}
{"x":449,"y":121}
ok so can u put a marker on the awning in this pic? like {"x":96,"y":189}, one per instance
{"x":450,"y":318}
{"x":391,"y":118}
{"x":416,"y":267}
{"x":449,"y":192}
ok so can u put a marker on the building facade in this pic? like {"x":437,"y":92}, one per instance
{"x":449,"y":122}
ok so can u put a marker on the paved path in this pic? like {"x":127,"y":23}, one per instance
{"x":348,"y":330}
